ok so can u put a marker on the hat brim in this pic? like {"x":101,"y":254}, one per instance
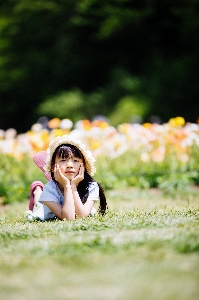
{"x":66,"y":139}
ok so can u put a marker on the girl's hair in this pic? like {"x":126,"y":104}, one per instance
{"x":67,"y":151}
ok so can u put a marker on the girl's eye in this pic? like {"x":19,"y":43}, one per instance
{"x":76,"y":160}
{"x":62,"y":161}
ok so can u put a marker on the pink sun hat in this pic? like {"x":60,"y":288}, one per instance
{"x":40,"y":160}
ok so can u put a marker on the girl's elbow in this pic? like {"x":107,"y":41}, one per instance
{"x":67,"y":217}
{"x":70,"y":218}
{"x":83,"y":214}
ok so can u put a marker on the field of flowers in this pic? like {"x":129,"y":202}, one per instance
{"x":142,"y":155}
{"x":146,"y":246}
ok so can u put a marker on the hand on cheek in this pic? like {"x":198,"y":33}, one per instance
{"x":81,"y":169}
{"x":56,"y":171}
{"x":80,"y":176}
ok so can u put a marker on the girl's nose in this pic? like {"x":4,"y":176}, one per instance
{"x":69,"y":164}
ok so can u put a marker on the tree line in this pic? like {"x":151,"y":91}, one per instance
{"x":83,"y":58}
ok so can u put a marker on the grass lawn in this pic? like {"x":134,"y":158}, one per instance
{"x":146,"y":247}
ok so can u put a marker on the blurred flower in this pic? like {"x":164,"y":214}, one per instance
{"x":158,"y":154}
{"x":66,"y":124}
{"x":100,"y":123}
{"x":54,"y":123}
{"x":123,"y":128}
{"x":10,"y":133}
{"x":36,"y":127}
{"x":178,"y":121}
{"x":58,"y":132}
{"x":38,"y":140}
{"x":151,"y":141}
{"x":2,"y":134}
{"x":144,"y":156}
{"x":83,"y":124}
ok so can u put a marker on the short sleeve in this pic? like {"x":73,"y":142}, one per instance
{"x":52,"y":193}
{"x":93,"y":192}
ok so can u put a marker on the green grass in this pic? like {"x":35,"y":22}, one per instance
{"x":146,"y":247}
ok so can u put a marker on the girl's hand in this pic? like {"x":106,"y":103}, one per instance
{"x":80,"y":175}
{"x":59,"y":177}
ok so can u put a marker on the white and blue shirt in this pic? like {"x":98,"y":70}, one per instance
{"x":51,"y":192}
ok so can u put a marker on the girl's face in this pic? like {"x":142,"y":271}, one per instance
{"x":69,"y":166}
{"x":69,"y":159}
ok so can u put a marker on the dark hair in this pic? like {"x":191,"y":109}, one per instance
{"x":68,"y":150}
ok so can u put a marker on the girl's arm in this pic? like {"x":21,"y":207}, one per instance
{"x":72,"y":203}
{"x":67,"y":211}
{"x":82,"y":210}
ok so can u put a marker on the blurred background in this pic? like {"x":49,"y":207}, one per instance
{"x":128,"y":60}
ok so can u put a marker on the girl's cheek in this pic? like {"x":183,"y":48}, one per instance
{"x":55,"y":167}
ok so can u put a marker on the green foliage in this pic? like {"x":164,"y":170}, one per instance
{"x":127,"y":170}
{"x":127,"y":108}
{"x":177,"y":183}
{"x":47,"y":47}
{"x":171,"y":175}
{"x":68,"y":105}
{"x":16,"y":177}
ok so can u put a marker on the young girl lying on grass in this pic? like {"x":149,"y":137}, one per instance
{"x":71,"y":190}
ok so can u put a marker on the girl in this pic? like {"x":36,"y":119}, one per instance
{"x":71,"y":191}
